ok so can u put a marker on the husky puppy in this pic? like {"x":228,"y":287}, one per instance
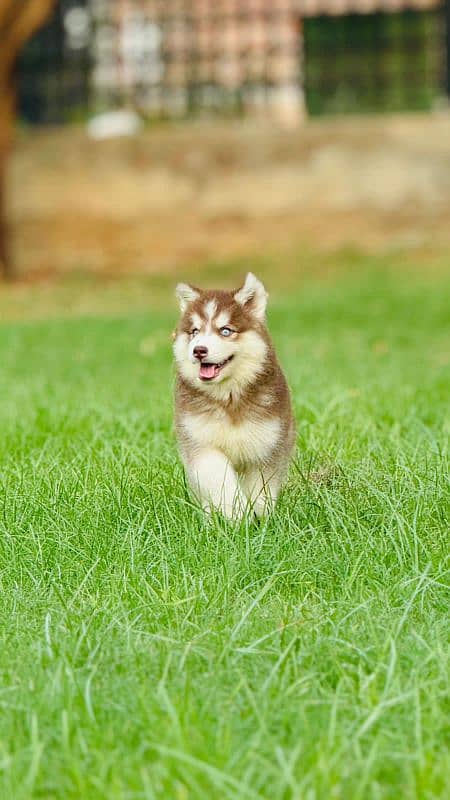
{"x":233,"y":414}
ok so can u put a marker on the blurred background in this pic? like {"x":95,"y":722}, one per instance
{"x":160,"y":138}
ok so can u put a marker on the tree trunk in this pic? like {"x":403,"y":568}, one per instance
{"x":5,"y":263}
{"x":18,"y":21}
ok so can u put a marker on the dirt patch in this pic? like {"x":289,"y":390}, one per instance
{"x":176,"y":196}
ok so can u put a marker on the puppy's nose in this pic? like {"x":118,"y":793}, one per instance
{"x":200,"y":352}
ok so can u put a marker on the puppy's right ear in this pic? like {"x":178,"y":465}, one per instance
{"x":186,"y":294}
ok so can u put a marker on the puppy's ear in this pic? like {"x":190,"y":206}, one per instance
{"x":186,"y":294}
{"x":253,"y":296}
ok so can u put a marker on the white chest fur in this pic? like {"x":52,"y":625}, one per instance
{"x":250,"y":442}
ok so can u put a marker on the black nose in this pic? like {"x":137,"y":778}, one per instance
{"x":200,"y":352}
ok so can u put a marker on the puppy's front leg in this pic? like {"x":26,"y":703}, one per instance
{"x":215,"y":483}
{"x":261,"y":488}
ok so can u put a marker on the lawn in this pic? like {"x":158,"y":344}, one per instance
{"x":147,"y":653}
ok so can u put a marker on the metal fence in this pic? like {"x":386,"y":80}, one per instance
{"x":376,"y":62}
{"x":182,"y":57}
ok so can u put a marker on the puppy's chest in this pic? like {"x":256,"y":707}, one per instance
{"x":250,"y":441}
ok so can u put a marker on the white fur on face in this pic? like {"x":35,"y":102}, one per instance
{"x":210,"y":310}
{"x":219,"y":349}
{"x":197,"y":321}
{"x":249,"y":350}
{"x":223,"y":319}
{"x":248,"y":363}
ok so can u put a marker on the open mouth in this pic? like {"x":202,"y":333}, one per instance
{"x":210,"y":371}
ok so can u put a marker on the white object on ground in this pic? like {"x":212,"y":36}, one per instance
{"x":113,"y":124}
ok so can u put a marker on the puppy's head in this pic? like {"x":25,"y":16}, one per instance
{"x":221,"y":337}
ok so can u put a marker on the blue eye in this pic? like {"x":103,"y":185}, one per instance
{"x":226,"y":331}
{"x":194,"y":331}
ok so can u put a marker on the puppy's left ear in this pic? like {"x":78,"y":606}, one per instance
{"x":253,"y":296}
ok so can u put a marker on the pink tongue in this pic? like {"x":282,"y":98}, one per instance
{"x":207,"y":370}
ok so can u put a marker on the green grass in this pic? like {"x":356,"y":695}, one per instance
{"x":146,"y":653}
